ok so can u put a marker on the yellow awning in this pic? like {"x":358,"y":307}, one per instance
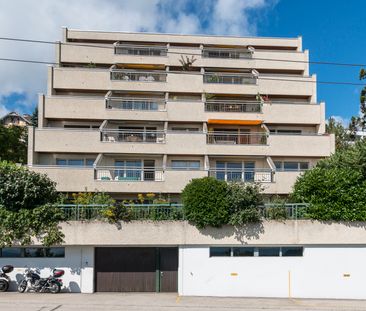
{"x":235,"y":122}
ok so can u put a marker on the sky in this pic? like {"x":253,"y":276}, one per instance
{"x":333,"y":31}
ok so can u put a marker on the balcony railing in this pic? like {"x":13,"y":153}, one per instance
{"x":232,"y":106}
{"x":140,"y":50}
{"x":128,"y":174}
{"x":226,"y":53}
{"x":138,"y":76}
{"x":131,"y":136}
{"x":250,"y":175}
{"x":139,"y":104}
{"x":229,"y":78}
{"x":229,"y":138}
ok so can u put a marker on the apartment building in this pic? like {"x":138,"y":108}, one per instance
{"x":130,"y":113}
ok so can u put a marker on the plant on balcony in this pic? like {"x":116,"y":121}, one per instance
{"x":24,"y":207}
{"x":336,"y":187}
{"x":91,"y":65}
{"x":187,"y":62}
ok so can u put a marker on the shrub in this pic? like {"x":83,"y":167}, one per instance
{"x":24,"y":189}
{"x":244,"y":201}
{"x":206,"y":202}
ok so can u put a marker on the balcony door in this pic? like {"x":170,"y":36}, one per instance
{"x":149,"y":169}
{"x":128,"y":170}
{"x":235,"y":171}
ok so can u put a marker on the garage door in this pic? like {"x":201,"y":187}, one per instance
{"x":136,"y":269}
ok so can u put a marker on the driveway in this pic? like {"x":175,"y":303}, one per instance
{"x":159,"y":302}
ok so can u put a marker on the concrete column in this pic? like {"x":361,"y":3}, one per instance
{"x":30,"y":152}
{"x":87,"y":269}
{"x":42,"y":122}
{"x":50,"y":90}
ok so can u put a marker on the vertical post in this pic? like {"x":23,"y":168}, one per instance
{"x":289,"y":284}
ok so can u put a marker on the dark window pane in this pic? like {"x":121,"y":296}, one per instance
{"x":55,"y":252}
{"x":220,"y":251}
{"x":292,"y":251}
{"x":11,"y":252}
{"x":89,"y":162}
{"x":268,"y":251}
{"x":290,"y":166}
{"x":278,"y":165}
{"x":76,"y":162}
{"x":304,"y":165}
{"x":243,"y":251}
{"x":61,"y":162}
{"x":33,"y":252}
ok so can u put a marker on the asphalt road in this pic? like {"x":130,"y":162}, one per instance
{"x":159,"y":302}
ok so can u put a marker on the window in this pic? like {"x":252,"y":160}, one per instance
{"x":75,"y":162}
{"x":86,"y":126}
{"x":285,"y":132}
{"x":268,"y":251}
{"x":243,"y":251}
{"x":278,"y":165}
{"x":61,"y":162}
{"x":89,"y":162}
{"x":304,"y":166}
{"x":235,"y":171}
{"x":11,"y":252}
{"x":186,"y":164}
{"x":33,"y":252}
{"x":185,"y":129}
{"x":56,"y":252}
{"x":220,"y":251}
{"x":292,"y":251}
{"x":290,"y":166}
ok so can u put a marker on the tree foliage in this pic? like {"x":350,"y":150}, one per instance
{"x":211,"y":202}
{"x":13,"y":144}
{"x":336,"y":187}
{"x":24,"y":189}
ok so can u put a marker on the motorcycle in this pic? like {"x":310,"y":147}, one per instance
{"x":33,"y":281}
{"x":4,"y":279}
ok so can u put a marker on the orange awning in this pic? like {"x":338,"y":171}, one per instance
{"x":235,"y":122}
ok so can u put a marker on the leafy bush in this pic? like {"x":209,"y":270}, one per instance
{"x":206,"y":202}
{"x":244,"y":202}
{"x":20,"y":226}
{"x":88,"y":198}
{"x":336,"y":187}
{"x":24,"y":189}
{"x":13,"y":144}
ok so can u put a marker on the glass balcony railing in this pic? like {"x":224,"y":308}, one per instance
{"x":227,"y":53}
{"x":232,"y":106}
{"x":231,"y":138}
{"x":130,"y":136}
{"x":138,"y":76}
{"x":229,"y":78}
{"x":139,"y":104}
{"x":140,"y":50}
{"x":128,"y":174}
{"x":253,"y":175}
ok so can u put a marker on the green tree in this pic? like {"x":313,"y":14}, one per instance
{"x":34,"y":117}
{"x":336,"y":187}
{"x":24,"y":189}
{"x":206,"y":202}
{"x":13,"y":144}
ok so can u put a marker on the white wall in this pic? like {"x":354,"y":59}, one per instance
{"x":320,"y":273}
{"x":78,"y":264}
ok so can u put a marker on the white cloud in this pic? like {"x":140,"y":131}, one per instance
{"x":3,"y":110}
{"x":342,"y":120}
{"x":42,"y":19}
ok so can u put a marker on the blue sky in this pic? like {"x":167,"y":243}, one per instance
{"x":332,"y":30}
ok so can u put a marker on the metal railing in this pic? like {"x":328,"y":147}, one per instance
{"x":232,"y":106}
{"x":249,"y":175}
{"x":129,"y":136}
{"x":135,"y":104}
{"x":229,"y":138}
{"x":229,"y":78}
{"x":138,"y":76}
{"x":169,"y":211}
{"x":140,"y":50}
{"x":128,"y":174}
{"x":226,"y":53}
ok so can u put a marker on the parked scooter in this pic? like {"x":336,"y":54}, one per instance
{"x":33,"y":282}
{"x":4,"y":279}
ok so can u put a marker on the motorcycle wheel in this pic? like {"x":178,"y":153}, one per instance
{"x":4,"y":285}
{"x":55,"y":288}
{"x":22,"y":286}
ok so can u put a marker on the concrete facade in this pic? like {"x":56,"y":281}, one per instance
{"x":129,"y":113}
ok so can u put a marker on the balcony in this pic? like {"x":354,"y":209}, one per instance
{"x":132,"y":136}
{"x":135,"y":104}
{"x":139,"y":50}
{"x":250,"y":175}
{"x":229,"y":78}
{"x":233,"y":106}
{"x":128,"y":174}
{"x":235,"y":138}
{"x":227,"y":53}
{"x":137,"y":76}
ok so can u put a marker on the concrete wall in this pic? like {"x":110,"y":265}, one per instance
{"x":78,"y":264}
{"x":323,"y":272}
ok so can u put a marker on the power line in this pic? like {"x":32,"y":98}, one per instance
{"x":184,"y":53}
{"x":27,"y":61}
